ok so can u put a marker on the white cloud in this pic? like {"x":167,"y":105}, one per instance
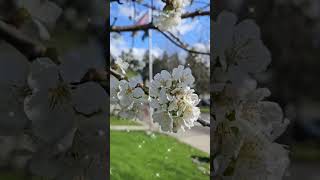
{"x":203,"y":47}
{"x":118,"y":45}
{"x":157,"y":52}
{"x":138,"y":53}
{"x":126,"y":10}
{"x":182,"y":56}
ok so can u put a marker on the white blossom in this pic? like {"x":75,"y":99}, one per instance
{"x":114,"y":89}
{"x":173,"y":99}
{"x":179,"y":4}
{"x":129,"y":94}
{"x":56,"y":101}
{"x":167,"y":21}
{"x":170,"y":17}
{"x":245,"y":125}
{"x":128,"y":97}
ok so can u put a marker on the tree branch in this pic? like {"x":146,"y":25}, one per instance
{"x":195,"y":14}
{"x":175,"y":40}
{"x":31,"y":48}
{"x":25,"y":44}
{"x":145,"y":27}
{"x":130,"y":28}
{"x":118,"y":1}
{"x":180,"y":44}
{"x":203,"y":122}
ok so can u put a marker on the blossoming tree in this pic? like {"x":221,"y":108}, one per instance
{"x":53,"y":106}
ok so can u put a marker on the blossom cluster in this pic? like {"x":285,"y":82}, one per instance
{"x":171,"y":15}
{"x":170,"y":95}
{"x":128,"y":96}
{"x":174,"y":101}
{"x":245,"y":125}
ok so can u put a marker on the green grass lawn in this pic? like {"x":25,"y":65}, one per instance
{"x":138,"y":156}
{"x":118,"y":121}
{"x":11,"y":176}
{"x":307,"y":151}
{"x":205,"y":109}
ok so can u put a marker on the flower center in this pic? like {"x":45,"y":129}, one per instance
{"x":59,"y":95}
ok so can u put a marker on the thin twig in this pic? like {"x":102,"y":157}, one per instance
{"x":118,"y":1}
{"x":182,"y":46}
{"x":25,"y":44}
{"x":145,"y":27}
{"x":203,"y":122}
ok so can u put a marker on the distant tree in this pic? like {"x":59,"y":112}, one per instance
{"x":200,"y":72}
{"x":173,"y":61}
{"x":160,"y":64}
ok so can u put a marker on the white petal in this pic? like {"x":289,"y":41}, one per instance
{"x":89,"y":98}
{"x":76,"y":63}
{"x":165,"y":75}
{"x":49,"y":122}
{"x":12,"y":117}
{"x":164,"y":120}
{"x":14,"y":66}
{"x":154,"y":103}
{"x":138,"y":93}
{"x":44,"y":74}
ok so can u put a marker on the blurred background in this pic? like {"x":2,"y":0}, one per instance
{"x":291,"y":31}
{"x":67,"y":28}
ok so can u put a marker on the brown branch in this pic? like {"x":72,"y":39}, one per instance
{"x":175,"y":40}
{"x":203,"y":122}
{"x":146,"y":27}
{"x":195,"y":14}
{"x":31,"y":48}
{"x":178,"y":43}
{"x":130,"y":28}
{"x":118,"y":1}
{"x":25,"y":44}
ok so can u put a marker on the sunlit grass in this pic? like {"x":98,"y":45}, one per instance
{"x":205,"y":109}
{"x":118,"y":121}
{"x":139,"y":156}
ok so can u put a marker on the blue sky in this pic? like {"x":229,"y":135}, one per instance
{"x":195,"y":32}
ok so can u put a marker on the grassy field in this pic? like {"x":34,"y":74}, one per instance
{"x":205,"y":109}
{"x":307,"y":151}
{"x":117,"y":121}
{"x":139,"y":156}
{"x":11,"y":176}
